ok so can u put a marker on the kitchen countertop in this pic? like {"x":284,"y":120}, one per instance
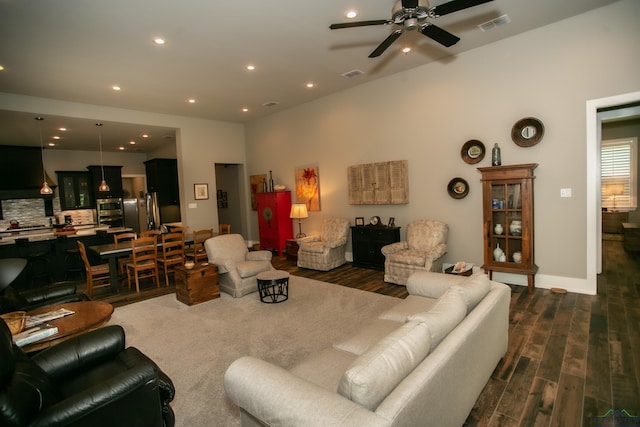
{"x":9,"y":237}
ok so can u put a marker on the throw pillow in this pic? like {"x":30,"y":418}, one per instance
{"x":443,"y":317}
{"x":372,"y":376}
{"x":474,"y":289}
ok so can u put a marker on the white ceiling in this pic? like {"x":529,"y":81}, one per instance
{"x":76,"y":50}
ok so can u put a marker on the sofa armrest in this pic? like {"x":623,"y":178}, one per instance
{"x":48,"y":292}
{"x":394,"y":247}
{"x":337,"y":243}
{"x":276,"y":397}
{"x":431,"y":284}
{"x":259,"y":256}
{"x":437,"y":251}
{"x":77,"y":353}
{"x":308,"y":239}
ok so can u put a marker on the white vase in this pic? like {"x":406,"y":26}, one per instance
{"x":498,"y":229}
{"x":497,"y":253}
{"x":515,"y":228}
{"x":517,"y":257}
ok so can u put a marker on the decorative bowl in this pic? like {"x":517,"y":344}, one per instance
{"x":15,"y":321}
{"x":189,"y":265}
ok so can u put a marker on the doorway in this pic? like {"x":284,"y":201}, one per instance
{"x":229,"y":195}
{"x":593,"y":184}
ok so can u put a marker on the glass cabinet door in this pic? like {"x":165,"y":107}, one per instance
{"x":84,"y":191}
{"x":506,"y":222}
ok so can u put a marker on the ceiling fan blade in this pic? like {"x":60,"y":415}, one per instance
{"x":455,"y":5}
{"x":359,"y":24}
{"x":385,"y":44}
{"x":409,"y":4}
{"x":443,"y":37}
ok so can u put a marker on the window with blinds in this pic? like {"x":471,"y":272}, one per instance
{"x":618,"y":170}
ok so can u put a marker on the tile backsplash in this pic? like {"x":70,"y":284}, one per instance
{"x":32,"y":212}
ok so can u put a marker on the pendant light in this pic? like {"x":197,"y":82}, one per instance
{"x":103,"y":185}
{"x":45,"y":190}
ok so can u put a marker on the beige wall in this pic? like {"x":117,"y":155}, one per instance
{"x":425,"y":115}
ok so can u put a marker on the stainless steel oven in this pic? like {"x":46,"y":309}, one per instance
{"x":110,"y":212}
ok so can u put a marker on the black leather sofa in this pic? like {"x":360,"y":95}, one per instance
{"x":89,"y":380}
{"x":31,"y":299}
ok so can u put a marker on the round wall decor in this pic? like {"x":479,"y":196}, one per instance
{"x":472,"y":151}
{"x":527,"y":132}
{"x":458,"y":188}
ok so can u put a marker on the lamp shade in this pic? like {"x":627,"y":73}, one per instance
{"x":298,"y":211}
{"x":615,"y":189}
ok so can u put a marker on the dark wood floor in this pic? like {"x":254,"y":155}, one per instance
{"x":571,"y":358}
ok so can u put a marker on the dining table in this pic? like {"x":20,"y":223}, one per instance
{"x":110,"y":252}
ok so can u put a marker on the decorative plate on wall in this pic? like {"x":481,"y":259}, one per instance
{"x":527,"y":132}
{"x":458,"y":188}
{"x":472,"y":151}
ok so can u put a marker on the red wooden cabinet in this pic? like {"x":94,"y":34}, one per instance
{"x":273,"y":220}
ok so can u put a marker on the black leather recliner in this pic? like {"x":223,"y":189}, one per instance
{"x":31,"y":299}
{"x":89,"y":380}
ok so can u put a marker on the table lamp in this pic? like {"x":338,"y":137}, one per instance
{"x":614,"y":190}
{"x":299,"y":211}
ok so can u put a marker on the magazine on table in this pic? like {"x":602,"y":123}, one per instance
{"x":34,"y":334}
{"x":38,"y":319}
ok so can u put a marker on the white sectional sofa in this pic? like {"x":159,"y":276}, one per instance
{"x":423,"y":362}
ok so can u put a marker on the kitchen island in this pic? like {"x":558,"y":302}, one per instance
{"x":18,"y":243}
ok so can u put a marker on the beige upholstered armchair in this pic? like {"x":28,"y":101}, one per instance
{"x":423,"y":250}
{"x":325,"y":251}
{"x":237,"y":267}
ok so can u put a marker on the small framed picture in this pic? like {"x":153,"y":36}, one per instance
{"x":201,"y":191}
{"x":360,"y":221}
{"x":392,"y":222}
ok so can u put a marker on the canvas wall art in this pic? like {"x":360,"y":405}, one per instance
{"x":308,"y":187}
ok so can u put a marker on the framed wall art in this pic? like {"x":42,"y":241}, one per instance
{"x":257,"y":184}
{"x":201,"y":191}
{"x":308,"y":187}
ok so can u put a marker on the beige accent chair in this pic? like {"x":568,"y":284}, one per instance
{"x":237,"y":267}
{"x":423,"y":250}
{"x":326,"y":250}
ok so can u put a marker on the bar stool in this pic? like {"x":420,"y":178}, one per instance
{"x":37,"y":262}
{"x":73,"y":264}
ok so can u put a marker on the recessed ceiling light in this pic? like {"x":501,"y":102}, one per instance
{"x":121,"y":148}
{"x":1,"y":68}
{"x":159,"y":41}
{"x":51,"y":144}
{"x":251,"y":67}
{"x":351,"y":13}
{"x":115,"y":87}
{"x":245,"y":110}
{"x":406,"y":50}
{"x":145,"y":135}
{"x":132,"y":142}
{"x":55,"y":137}
{"x":191,"y":101}
{"x":310,"y":85}
{"x":62,"y":129}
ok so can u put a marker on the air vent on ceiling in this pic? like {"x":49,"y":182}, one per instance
{"x":353,"y":73}
{"x":270,"y":104}
{"x":490,"y":25}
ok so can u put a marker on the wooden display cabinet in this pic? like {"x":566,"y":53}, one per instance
{"x":507,"y":197}
{"x":274,"y":223}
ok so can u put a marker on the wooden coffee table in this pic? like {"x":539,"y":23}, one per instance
{"x":88,"y":315}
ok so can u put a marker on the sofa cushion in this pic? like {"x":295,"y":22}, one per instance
{"x":473,"y":289}
{"x":408,"y":307}
{"x":443,"y":317}
{"x":373,"y":375}
{"x":368,"y":336}
{"x":251,"y":268}
{"x":409,"y":256}
{"x":430,"y":284}
{"x":313,"y":247}
{"x":325,"y":368}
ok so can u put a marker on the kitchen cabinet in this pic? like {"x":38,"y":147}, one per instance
{"x":367,"y":243}
{"x":274,"y":223}
{"x":507,"y":206}
{"x":75,"y":190}
{"x":113,"y":176}
{"x":162,"y":178}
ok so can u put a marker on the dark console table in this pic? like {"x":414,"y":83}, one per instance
{"x":367,"y":241}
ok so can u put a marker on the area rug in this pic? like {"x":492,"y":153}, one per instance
{"x":195,"y":345}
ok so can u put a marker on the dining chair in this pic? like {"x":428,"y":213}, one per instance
{"x":172,"y":253}
{"x":150,"y":233}
{"x":124,"y":260}
{"x":144,"y":262}
{"x":199,"y":253}
{"x":97,"y":275}
{"x":224,"y":229}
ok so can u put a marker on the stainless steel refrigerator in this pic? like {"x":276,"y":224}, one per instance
{"x":131,"y":215}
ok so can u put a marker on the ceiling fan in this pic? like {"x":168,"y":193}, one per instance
{"x":411,"y":15}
